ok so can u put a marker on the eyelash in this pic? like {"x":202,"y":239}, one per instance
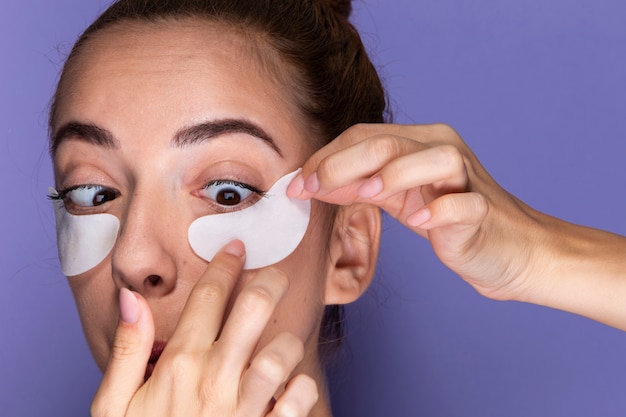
{"x":63,"y":194}
{"x":236,"y":184}
{"x":60,"y":195}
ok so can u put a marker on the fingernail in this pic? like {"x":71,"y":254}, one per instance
{"x":296,"y":187}
{"x":419,"y":217}
{"x":235,"y":248}
{"x":312,"y":184}
{"x":370,"y":188}
{"x":129,"y":306}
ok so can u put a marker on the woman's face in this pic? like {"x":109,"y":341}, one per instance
{"x":141,"y":86}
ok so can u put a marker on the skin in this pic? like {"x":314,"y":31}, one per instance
{"x":267,"y":321}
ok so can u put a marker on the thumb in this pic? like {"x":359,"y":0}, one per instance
{"x":130,"y":354}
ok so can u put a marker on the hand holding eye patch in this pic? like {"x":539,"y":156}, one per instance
{"x":428,"y":179}
{"x":198,"y":375}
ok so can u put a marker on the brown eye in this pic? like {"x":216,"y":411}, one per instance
{"x":228,"y":197}
{"x":228,"y":193}
{"x":103,"y":196}
{"x":88,"y":195}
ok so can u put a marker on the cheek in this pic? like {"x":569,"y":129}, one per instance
{"x":96,"y":301}
{"x":301,"y":309}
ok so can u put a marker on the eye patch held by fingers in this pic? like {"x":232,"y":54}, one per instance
{"x":83,"y":241}
{"x":271,"y":229}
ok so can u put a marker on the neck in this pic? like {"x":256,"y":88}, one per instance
{"x":311,"y":365}
{"x":322,"y":407}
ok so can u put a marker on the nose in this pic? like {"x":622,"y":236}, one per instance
{"x":143,"y":258}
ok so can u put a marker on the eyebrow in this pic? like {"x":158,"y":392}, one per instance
{"x":188,"y":136}
{"x":202,"y":132}
{"x":84,"y":131}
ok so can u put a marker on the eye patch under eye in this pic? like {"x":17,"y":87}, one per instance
{"x":271,"y":229}
{"x":83,"y":241}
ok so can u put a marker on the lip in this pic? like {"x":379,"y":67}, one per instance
{"x":157,"y":350}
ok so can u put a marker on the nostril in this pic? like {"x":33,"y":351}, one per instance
{"x":154,"y":280}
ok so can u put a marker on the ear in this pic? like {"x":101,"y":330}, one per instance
{"x":353,"y":253}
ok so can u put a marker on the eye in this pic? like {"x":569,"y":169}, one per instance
{"x":86,"y":195}
{"x":229,"y":193}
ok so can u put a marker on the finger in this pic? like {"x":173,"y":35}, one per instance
{"x":130,"y":354}
{"x":201,"y":319}
{"x":452,"y":222}
{"x":361,"y":160}
{"x":249,"y":316}
{"x":349,"y":137}
{"x":312,"y":178}
{"x":443,"y":167}
{"x":299,"y":398}
{"x":341,"y":176}
{"x":463,"y":210}
{"x":268,"y":371}
{"x":361,"y":132}
{"x":343,"y":163}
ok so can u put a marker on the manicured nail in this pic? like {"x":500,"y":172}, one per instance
{"x":296,"y":187}
{"x":312,"y":184}
{"x":235,"y":248}
{"x":419,"y":217}
{"x":370,"y":188}
{"x":129,"y":306}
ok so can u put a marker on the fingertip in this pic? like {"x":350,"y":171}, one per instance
{"x":371,"y":188}
{"x":129,"y":306}
{"x":312,"y":183}
{"x":296,"y":186}
{"x":459,"y":209}
{"x":129,"y":355}
{"x":236,"y":248}
{"x":135,"y":313}
{"x":299,"y":398}
{"x":419,"y":218}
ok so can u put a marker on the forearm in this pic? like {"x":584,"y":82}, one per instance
{"x":580,"y":270}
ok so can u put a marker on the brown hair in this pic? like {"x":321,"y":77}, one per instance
{"x":335,"y":86}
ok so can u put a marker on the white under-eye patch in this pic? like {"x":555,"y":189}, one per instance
{"x":271,"y":229}
{"x":83,"y":241}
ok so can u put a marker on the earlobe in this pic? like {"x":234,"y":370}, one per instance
{"x":354,"y":246}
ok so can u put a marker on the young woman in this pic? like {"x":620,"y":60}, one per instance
{"x":170,"y":112}
{"x":167,"y":112}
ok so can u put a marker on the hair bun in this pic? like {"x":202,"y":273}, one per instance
{"x":342,"y":7}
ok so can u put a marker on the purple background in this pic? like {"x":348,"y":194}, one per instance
{"x":538,"y":90}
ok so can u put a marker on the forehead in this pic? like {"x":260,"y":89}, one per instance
{"x":176,"y":45}
{"x":174,"y":65}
